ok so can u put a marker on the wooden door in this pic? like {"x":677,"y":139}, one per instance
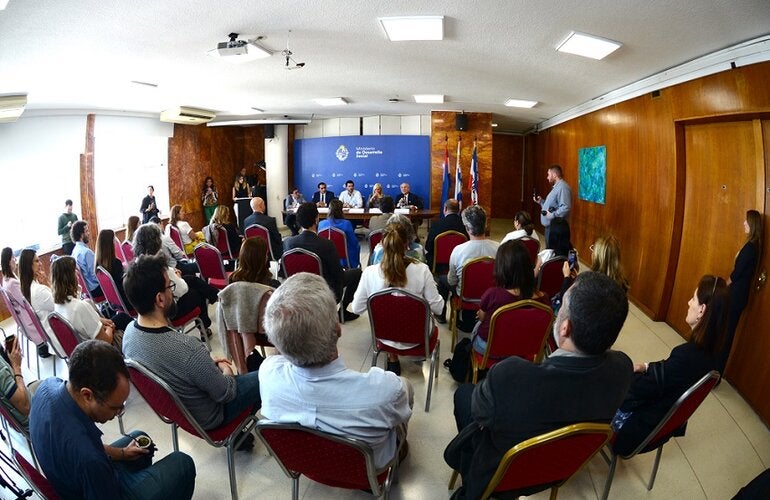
{"x":724,"y":177}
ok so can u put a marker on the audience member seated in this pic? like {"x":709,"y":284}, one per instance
{"x":68,"y":443}
{"x":376,"y":198}
{"x":308,"y":382}
{"x":337,"y":219}
{"x":81,"y":315}
{"x":413,"y":249}
{"x":522,"y":226}
{"x":387,"y":206}
{"x":253,"y":264}
{"x":16,"y":397}
{"x":290,"y":206}
{"x":397,"y":270}
{"x":105,"y":257}
{"x":221,"y":218}
{"x":475,"y":221}
{"x":450,"y":222}
{"x":190,"y":238}
{"x":131,"y":225}
{"x":322,"y":197}
{"x":605,"y":259}
{"x":335,"y":276}
{"x":206,"y":386}
{"x":259,"y":217}
{"x":582,"y":381}
{"x":658,"y":385}
{"x":558,"y":243}
{"x":175,"y":257}
{"x":190,"y":291}
{"x":84,"y":256}
{"x":16,"y":289}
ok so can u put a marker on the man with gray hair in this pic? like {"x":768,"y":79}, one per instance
{"x":308,"y":382}
{"x":475,"y":221}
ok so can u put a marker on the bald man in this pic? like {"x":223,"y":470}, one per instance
{"x":259,"y":217}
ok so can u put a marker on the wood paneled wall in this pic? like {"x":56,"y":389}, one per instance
{"x":196,"y":152}
{"x":443,"y":133}
{"x":509,"y":193}
{"x":642,"y":184}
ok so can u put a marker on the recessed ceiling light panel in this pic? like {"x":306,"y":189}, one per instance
{"x":429,"y":98}
{"x":520,"y":103}
{"x":591,"y":46}
{"x":331,"y":101}
{"x":11,"y":107}
{"x":408,"y":28}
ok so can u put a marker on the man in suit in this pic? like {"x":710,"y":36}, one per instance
{"x":259,"y":217}
{"x":450,"y":222}
{"x":333,"y":273}
{"x":582,"y":381}
{"x":290,"y":206}
{"x":408,"y":199}
{"x":322,"y":197}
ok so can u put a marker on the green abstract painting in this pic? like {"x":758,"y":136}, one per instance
{"x":592,"y":174}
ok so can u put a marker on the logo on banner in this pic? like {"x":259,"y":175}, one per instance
{"x":342,"y":153}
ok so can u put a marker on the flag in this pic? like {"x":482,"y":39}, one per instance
{"x":458,"y":179}
{"x":445,"y":178}
{"x":473,"y":184}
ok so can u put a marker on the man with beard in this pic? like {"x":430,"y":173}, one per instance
{"x":84,"y":256}
{"x":206,"y":386}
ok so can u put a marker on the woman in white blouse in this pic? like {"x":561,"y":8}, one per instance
{"x":522,"y":225}
{"x":190,"y":238}
{"x":36,"y":288}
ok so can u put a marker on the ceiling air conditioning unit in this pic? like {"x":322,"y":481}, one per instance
{"x":187,"y":116}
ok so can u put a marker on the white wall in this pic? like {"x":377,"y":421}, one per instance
{"x":371,"y":125}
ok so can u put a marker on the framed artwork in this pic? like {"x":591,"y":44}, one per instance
{"x":592,"y":174}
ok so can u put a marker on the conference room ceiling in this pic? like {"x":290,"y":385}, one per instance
{"x":83,"y":55}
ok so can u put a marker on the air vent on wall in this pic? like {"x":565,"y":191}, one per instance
{"x":187,"y":116}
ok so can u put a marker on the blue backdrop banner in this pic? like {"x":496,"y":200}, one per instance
{"x":366,"y":160}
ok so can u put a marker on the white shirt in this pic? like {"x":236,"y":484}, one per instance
{"x":353,"y":200}
{"x":184,"y":231}
{"x":519,"y":233}
{"x":332,"y":398}
{"x":82,"y":316}
{"x":464,"y":252}
{"x":42,"y":303}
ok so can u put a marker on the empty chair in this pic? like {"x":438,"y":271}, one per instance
{"x":211,"y":266}
{"x":346,"y":462}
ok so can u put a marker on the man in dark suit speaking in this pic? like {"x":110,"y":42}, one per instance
{"x":335,"y":276}
{"x":322,"y":197}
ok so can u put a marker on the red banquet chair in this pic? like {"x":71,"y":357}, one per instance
{"x":84,"y":291}
{"x":413,"y":324}
{"x":257,"y":231}
{"x":532,"y":246}
{"x":223,"y":244}
{"x":374,"y":238}
{"x":676,"y":417}
{"x":44,"y":334}
{"x":119,"y":250}
{"x":518,"y":329}
{"x":15,"y":308}
{"x":111,"y":293}
{"x":546,"y":461}
{"x":177,"y":238}
{"x":299,"y":260}
{"x":11,"y":422}
{"x":128,"y":251}
{"x":34,"y":477}
{"x":347,"y":462}
{"x":550,"y":277}
{"x":167,"y":405}
{"x":340,"y":240}
{"x":210,"y":265}
{"x":477,"y":278}
{"x":442,"y":249}
{"x":65,"y":334}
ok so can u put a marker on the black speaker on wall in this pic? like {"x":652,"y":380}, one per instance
{"x":461,"y":122}
{"x":269,"y":131}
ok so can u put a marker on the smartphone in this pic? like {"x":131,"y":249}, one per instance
{"x":572,"y":259}
{"x":9,"y":341}
{"x":534,"y":192}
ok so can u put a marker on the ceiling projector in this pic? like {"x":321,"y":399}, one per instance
{"x":233,"y":47}
{"x":239,"y":50}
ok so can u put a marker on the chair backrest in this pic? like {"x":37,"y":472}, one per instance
{"x":65,"y":334}
{"x":209,"y":262}
{"x":680,"y":412}
{"x":11,"y":306}
{"x":128,"y":251}
{"x":477,"y":278}
{"x":10,"y":418}
{"x":110,"y":291}
{"x":340,"y":241}
{"x":548,"y":459}
{"x":374,"y":238}
{"x":412,"y":324}
{"x":176,"y":237}
{"x":519,"y":329}
{"x":258,"y":231}
{"x":299,"y":260}
{"x":550,"y":278}
{"x":42,"y":330}
{"x":223,"y":243}
{"x":443,"y":245}
{"x":35,"y":479}
{"x":532,"y":246}
{"x":347,"y":463}
{"x":118,"y":249}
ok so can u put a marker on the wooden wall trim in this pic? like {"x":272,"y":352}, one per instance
{"x":87,"y":187}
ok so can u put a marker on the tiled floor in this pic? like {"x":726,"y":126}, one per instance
{"x":725,"y":447}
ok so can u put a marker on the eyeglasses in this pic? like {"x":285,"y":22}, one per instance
{"x":171,"y":286}
{"x":119,"y":410}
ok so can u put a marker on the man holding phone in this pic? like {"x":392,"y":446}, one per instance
{"x":558,"y":203}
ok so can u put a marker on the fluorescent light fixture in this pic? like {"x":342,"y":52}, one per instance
{"x":331,"y":101}
{"x":591,"y":46}
{"x":407,"y":28}
{"x":284,"y":121}
{"x":11,"y":107}
{"x":520,"y":103}
{"x":239,"y":52}
{"x":429,"y":98}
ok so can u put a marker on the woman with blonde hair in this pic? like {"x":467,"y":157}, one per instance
{"x":397,"y":270}
{"x":131,"y":225}
{"x":413,"y":249}
{"x":190,"y":238}
{"x":605,"y":259}
{"x":241,"y":188}
{"x":222,"y":218}
{"x":376,"y":197}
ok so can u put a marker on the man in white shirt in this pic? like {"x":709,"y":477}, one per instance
{"x":351,"y":197}
{"x":309,"y":383}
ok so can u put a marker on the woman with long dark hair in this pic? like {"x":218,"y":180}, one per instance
{"x":522,"y":226}
{"x":558,"y":244}
{"x":105,"y":257}
{"x":658,"y":385}
{"x":12,"y":285}
{"x":209,"y":198}
{"x":36,"y":288}
{"x":131,"y":225}
{"x":253,"y":264}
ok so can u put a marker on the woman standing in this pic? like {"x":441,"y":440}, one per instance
{"x":13,"y":287}
{"x":36,"y":288}
{"x":209,"y":198}
{"x":241,"y":188}
{"x":740,"y":279}
{"x":190,"y":238}
{"x":149,"y":208}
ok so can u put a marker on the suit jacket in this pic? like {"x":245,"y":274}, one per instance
{"x":519,"y":400}
{"x":330,"y":262}
{"x":276,"y":244}
{"x":317,"y":196}
{"x":451,"y":222}
{"x":413,"y":200}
